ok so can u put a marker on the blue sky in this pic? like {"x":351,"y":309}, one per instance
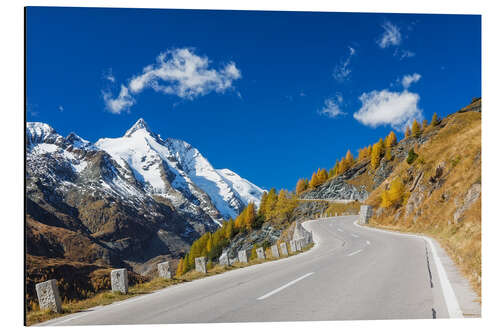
{"x":269,"y":95}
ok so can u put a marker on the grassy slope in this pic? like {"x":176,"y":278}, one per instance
{"x":456,"y":147}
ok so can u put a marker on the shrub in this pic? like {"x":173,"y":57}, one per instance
{"x":412,"y":156}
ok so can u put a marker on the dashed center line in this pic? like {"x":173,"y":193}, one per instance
{"x":284,"y":286}
{"x":356,"y":252}
{"x":367,"y":242}
{"x":354,"y":235}
{"x":340,"y":230}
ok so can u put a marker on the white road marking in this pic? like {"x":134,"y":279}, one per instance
{"x":450,"y":298}
{"x":356,"y":252}
{"x":284,"y":286}
{"x":340,"y":229}
{"x":354,"y":235}
{"x":367,"y":242}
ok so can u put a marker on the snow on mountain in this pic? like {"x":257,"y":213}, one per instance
{"x":176,"y":170}
{"x":247,"y":191}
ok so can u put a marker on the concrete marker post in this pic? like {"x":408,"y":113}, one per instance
{"x":200,"y":265}
{"x":243,"y":256}
{"x":274,"y":251}
{"x":284,"y":250}
{"x":48,"y":296}
{"x":164,"y":270}
{"x":260,"y":253}
{"x":119,"y":280}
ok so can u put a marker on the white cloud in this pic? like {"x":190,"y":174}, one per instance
{"x":60,"y":108}
{"x":342,"y":70}
{"x":332,"y":106}
{"x":390,"y":37}
{"x":408,"y":80}
{"x":396,"y":109}
{"x":406,"y":54}
{"x":119,"y":104}
{"x":177,"y":72}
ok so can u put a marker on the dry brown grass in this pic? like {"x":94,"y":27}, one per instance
{"x":108,"y":297}
{"x":458,"y":146}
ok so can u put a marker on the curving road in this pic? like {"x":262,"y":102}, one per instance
{"x":352,"y":273}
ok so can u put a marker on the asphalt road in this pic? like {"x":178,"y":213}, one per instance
{"x":352,"y":273}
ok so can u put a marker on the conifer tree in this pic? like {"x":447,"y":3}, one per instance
{"x":375,"y":158}
{"x":178,"y":272}
{"x":336,"y":168}
{"x":314,"y":181}
{"x":415,"y":129}
{"x":407,"y":132}
{"x":349,"y":159}
{"x":322,"y":176}
{"x":301,"y":186}
{"x":263,"y":200}
{"x":249,"y":217}
{"x":229,"y":229}
{"x":425,"y":123}
{"x":391,"y":139}
{"x":185,"y":264}
{"x":394,"y":195}
{"x":388,"y":154}
{"x":209,"y":243}
{"x":271,"y":200}
{"x":434,"y":120}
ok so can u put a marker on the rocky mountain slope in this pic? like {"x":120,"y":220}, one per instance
{"x":121,"y":201}
{"x":442,"y":191}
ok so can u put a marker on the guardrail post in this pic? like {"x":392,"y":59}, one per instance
{"x":260,"y":253}
{"x":243,"y":256}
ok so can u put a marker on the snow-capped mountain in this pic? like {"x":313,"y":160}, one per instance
{"x":177,"y":171}
{"x":134,"y":197}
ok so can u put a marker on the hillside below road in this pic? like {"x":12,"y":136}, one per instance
{"x":352,"y":273}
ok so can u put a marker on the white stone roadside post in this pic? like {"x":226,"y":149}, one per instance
{"x":365,"y":212}
{"x":243,"y":256}
{"x":119,"y":280}
{"x":224,"y":259}
{"x":164,"y":270}
{"x":293,"y":247}
{"x":274,"y":251}
{"x":284,"y":250}
{"x":48,"y":296}
{"x":200,"y":264}
{"x":260,"y":253}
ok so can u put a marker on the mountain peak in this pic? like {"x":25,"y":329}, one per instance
{"x":139,"y":124}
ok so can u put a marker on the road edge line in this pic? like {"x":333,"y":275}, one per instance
{"x":450,"y":298}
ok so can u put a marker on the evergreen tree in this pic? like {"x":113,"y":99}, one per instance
{"x":415,"y":129}
{"x":424,"y":124}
